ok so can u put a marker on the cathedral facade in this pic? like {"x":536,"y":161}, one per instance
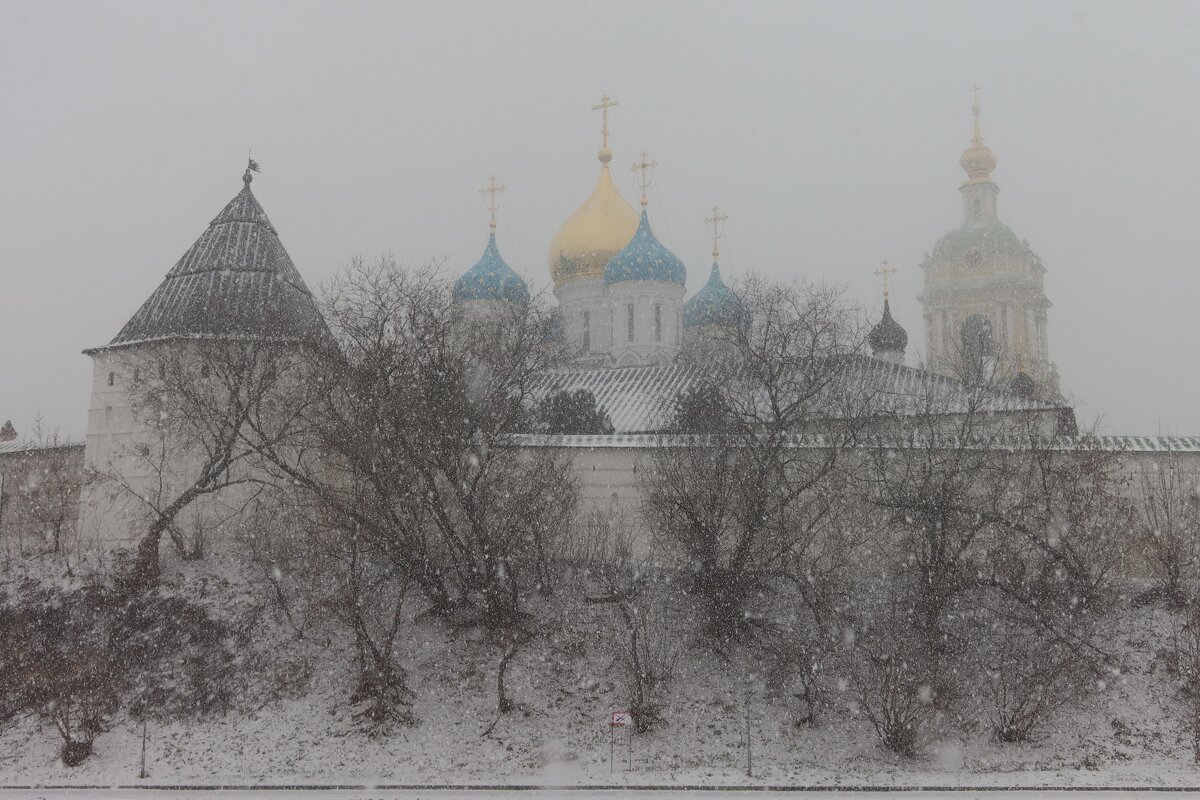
{"x":621,"y":305}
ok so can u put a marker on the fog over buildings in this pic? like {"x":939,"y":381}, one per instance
{"x":829,"y":132}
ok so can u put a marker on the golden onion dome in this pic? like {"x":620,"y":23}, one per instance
{"x":978,"y":161}
{"x":597,"y":231}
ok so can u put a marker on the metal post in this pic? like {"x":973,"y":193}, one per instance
{"x":749,"y":757}
{"x":612,"y":746}
{"x":142,"y":772}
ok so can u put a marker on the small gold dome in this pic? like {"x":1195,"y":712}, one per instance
{"x":596,"y":232}
{"x":978,"y":161}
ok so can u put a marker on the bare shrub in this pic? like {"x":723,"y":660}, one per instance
{"x":634,"y":588}
{"x":326,"y":580}
{"x":894,"y":676}
{"x":77,"y":656}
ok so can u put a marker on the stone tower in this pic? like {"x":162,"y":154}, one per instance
{"x":236,"y":283}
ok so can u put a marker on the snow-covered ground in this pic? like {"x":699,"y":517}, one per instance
{"x":1131,"y":733}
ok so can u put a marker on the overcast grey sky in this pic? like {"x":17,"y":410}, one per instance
{"x":829,"y":132}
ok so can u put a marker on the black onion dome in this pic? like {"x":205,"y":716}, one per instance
{"x":887,"y":336}
{"x":237,"y":281}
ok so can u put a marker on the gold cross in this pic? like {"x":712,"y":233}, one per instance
{"x":491,"y":190}
{"x":643,"y":169}
{"x":975,"y":87}
{"x":716,"y":220}
{"x":885,"y":272}
{"x":603,"y":106}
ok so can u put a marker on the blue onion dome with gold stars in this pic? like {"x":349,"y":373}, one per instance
{"x":887,"y":336}
{"x":645,"y":259}
{"x":714,"y":304}
{"x":491,"y":279}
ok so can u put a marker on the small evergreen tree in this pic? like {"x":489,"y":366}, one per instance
{"x":575,"y":413}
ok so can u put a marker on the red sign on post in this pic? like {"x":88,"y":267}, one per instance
{"x":621,"y":719}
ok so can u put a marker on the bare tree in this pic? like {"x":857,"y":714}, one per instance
{"x":410,"y":440}
{"x":745,"y":502}
{"x":39,"y":492}
{"x":206,"y":411}
{"x":998,"y":532}
{"x":1167,"y":521}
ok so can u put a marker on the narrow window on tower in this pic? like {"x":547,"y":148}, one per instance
{"x":978,"y":208}
{"x":629,"y":320}
{"x":587,"y":330}
{"x":657,"y":322}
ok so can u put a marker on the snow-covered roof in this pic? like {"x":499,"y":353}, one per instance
{"x":641,"y":399}
{"x":235,"y":280}
{"x":7,"y":448}
{"x":1127,"y":444}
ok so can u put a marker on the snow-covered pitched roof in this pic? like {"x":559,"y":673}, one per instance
{"x":1125,"y":444}
{"x":641,"y":399}
{"x":7,"y":448}
{"x":236,"y":280}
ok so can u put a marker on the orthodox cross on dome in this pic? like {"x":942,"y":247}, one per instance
{"x":490,"y":202}
{"x":975,"y":87}
{"x":883,"y":273}
{"x":643,"y":168}
{"x":603,"y":106}
{"x":717,"y":219}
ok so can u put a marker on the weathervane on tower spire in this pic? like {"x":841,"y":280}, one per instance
{"x":717,"y":219}
{"x":603,"y":106}
{"x":883,"y":273}
{"x":643,"y":168}
{"x":490,"y":191}
{"x":251,"y":166}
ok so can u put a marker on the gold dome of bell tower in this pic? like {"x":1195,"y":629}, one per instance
{"x":599,"y":228}
{"x":977,"y":160}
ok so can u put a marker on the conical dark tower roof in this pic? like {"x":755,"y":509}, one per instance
{"x":236,"y":281}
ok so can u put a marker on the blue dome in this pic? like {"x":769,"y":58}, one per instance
{"x":645,"y":259}
{"x":490,"y":279}
{"x":714,"y":304}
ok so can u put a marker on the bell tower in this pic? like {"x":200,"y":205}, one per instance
{"x":982,"y":276}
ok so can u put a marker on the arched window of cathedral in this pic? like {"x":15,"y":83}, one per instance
{"x":657,"y":322}
{"x":978,"y":208}
{"x":112,"y":376}
{"x":587,"y":330}
{"x":204,"y":371}
{"x":162,"y":371}
{"x":137,"y":375}
{"x":629,"y":320}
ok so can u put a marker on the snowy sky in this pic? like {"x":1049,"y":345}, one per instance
{"x":829,"y":132}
